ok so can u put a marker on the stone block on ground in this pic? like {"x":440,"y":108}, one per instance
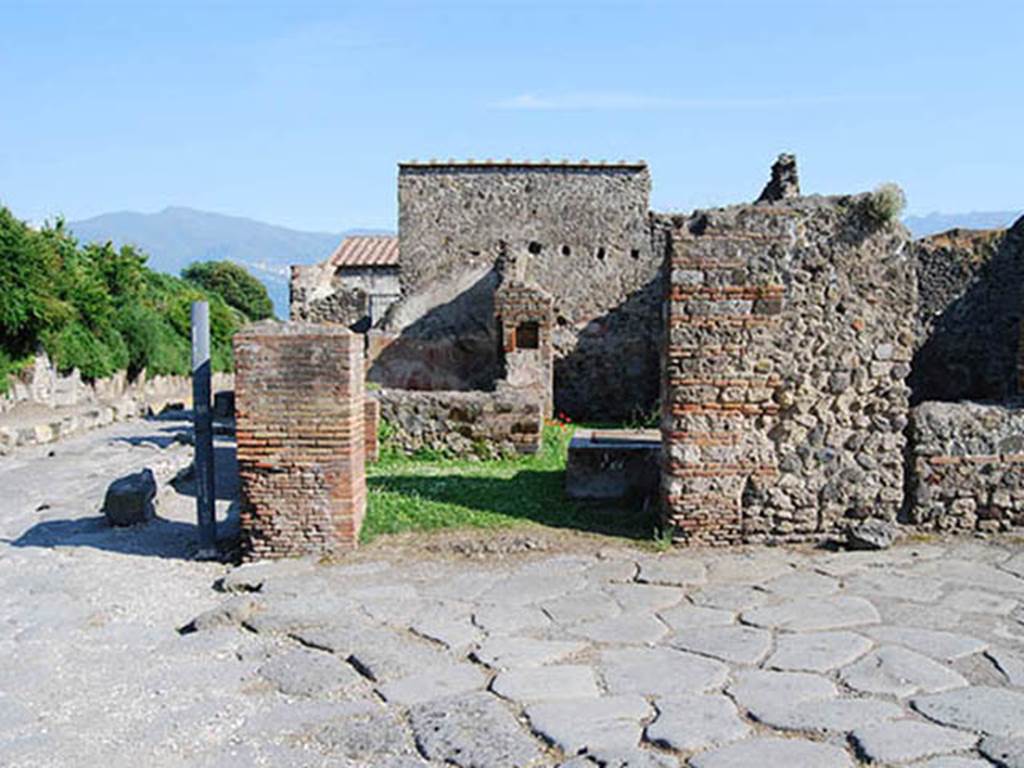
{"x":129,"y":499}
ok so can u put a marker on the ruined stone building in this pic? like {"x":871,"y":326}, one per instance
{"x":355,"y":286}
{"x":811,"y":365}
{"x":581,"y":232}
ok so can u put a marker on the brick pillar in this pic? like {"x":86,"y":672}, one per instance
{"x":299,"y":395}
{"x":712,"y":395}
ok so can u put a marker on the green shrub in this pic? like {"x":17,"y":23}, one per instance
{"x":885,"y":204}
{"x":233,"y":284}
{"x":96,"y":308}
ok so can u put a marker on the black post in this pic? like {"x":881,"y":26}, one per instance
{"x":203,"y":423}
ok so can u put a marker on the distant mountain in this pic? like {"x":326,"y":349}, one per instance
{"x":920,"y":226}
{"x":177,"y":236}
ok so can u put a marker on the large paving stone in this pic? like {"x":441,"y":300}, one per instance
{"x":752,"y":567}
{"x":758,"y":689}
{"x":309,"y":673}
{"x":434,"y":683}
{"x":644,"y":598}
{"x":510,"y":619}
{"x":904,"y":740}
{"x":534,"y":586}
{"x":736,"y":644}
{"x":899,"y":672}
{"x":660,"y":672}
{"x":673,"y":570}
{"x":565,"y":681}
{"x":937,"y":644}
{"x":686,"y":616}
{"x":588,"y":605}
{"x":953,"y":761}
{"x":767,"y":751}
{"x":802,"y":584}
{"x":972,"y":575}
{"x":450,"y":625}
{"x":817,"y":651}
{"x":629,"y":629}
{"x":904,"y":613}
{"x":812,"y":614}
{"x":628,"y":757}
{"x":1014,"y":565}
{"x":369,"y":736}
{"x":473,"y":731}
{"x":894,"y":584}
{"x":609,"y":723}
{"x":1006,"y":753}
{"x":975,"y":601}
{"x":383,"y":655}
{"x":696,"y":722}
{"x":994,"y":711}
{"x":505,"y":652}
{"x":732,"y":597}
{"x":825,"y":715}
{"x":1010,"y":664}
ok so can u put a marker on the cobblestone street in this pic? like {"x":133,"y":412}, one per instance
{"x":121,"y":651}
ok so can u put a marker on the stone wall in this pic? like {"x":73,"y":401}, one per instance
{"x":41,"y":384}
{"x":469,"y":424}
{"x":586,"y":234}
{"x":969,"y":314}
{"x":352,"y":296}
{"x":300,"y":413}
{"x":968,"y":466}
{"x":43,"y":406}
{"x":790,"y":331}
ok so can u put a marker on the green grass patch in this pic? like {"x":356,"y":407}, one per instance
{"x":425,"y":493}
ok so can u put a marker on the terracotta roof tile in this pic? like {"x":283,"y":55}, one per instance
{"x":366,"y":251}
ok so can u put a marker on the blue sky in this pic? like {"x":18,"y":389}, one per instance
{"x":297,"y":113}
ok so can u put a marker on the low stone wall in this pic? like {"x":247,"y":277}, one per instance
{"x":41,"y":384}
{"x":472,"y":424}
{"x":968,"y":466}
{"x":43,"y":406}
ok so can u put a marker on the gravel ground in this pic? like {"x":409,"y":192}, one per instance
{"x":521,"y":648}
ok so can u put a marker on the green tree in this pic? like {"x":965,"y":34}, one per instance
{"x":97,"y":308}
{"x":234,"y":284}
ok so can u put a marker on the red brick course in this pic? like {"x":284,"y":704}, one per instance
{"x":300,"y":409}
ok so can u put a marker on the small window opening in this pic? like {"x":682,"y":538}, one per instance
{"x":528,"y":336}
{"x":601,"y":253}
{"x":635,"y":253}
{"x":534,"y":247}
{"x":566,"y":250}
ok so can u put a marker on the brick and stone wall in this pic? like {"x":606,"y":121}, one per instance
{"x":968,"y":466}
{"x":470,"y":424}
{"x":586,"y":232}
{"x":790,"y":331}
{"x":350,"y":295}
{"x":523,"y":313}
{"x":299,"y":390}
{"x":969,"y":314}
